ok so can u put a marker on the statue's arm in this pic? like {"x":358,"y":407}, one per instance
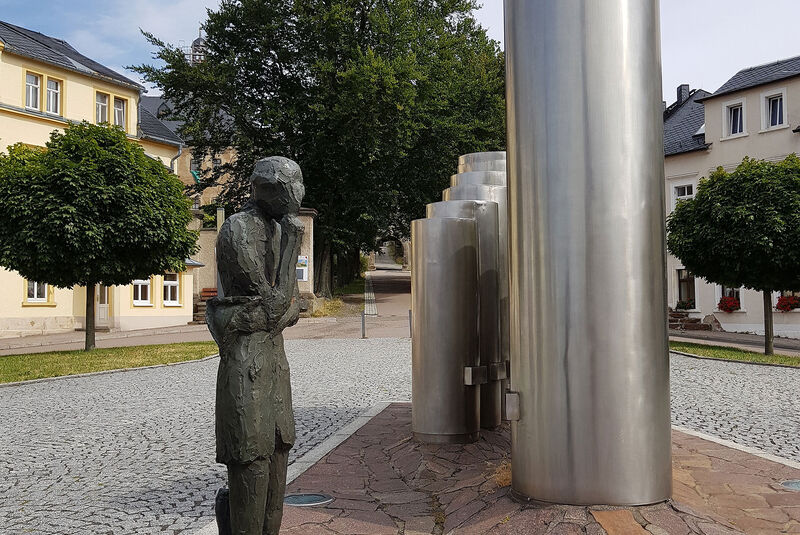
{"x":292,"y":230}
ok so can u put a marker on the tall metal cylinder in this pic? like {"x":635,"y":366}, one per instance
{"x":485,"y":214}
{"x":482,"y":161}
{"x":487,"y":178}
{"x":496,"y":194}
{"x":444,"y":341}
{"x":586,"y":189}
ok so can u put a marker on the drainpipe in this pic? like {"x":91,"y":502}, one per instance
{"x":172,"y":161}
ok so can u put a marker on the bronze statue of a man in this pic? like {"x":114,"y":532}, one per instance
{"x":257,"y":252}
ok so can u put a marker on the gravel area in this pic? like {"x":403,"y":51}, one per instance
{"x":756,"y":406}
{"x":133,"y":452}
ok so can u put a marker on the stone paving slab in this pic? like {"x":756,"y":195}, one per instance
{"x":384,"y":482}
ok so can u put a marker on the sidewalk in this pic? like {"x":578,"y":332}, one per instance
{"x":385,"y":483}
{"x":748,"y":342}
{"x":392,"y":297}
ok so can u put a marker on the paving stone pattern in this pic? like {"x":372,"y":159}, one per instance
{"x":133,"y":452}
{"x":756,"y":406}
{"x":384,"y":482}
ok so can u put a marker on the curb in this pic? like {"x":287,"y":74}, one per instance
{"x":733,"y":445}
{"x":769,"y":364}
{"x":314,"y":455}
{"x":105,"y":372}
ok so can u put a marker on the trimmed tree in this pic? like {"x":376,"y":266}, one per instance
{"x":374,"y":100}
{"x":742,"y":229}
{"x":91,"y":209}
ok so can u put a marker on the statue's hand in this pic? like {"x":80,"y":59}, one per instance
{"x":291,"y":224}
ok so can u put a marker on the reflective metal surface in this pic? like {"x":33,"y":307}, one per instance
{"x":444,"y":301}
{"x":482,"y":161}
{"x":488,"y":178}
{"x":497,"y":194}
{"x":586,"y":183}
{"x":485,"y":214}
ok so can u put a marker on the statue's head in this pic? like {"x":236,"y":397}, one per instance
{"x":278,"y":186}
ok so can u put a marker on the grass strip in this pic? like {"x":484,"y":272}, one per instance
{"x":60,"y":363}
{"x":734,"y":354}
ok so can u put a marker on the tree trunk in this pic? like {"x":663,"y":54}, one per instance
{"x":322,"y":270}
{"x":90,"y":326}
{"x":769,"y":331}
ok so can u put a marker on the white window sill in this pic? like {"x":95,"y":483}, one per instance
{"x":793,"y":311}
{"x":173,"y":305}
{"x":740,"y":311}
{"x":690,"y":311}
{"x":735,"y":136}
{"x":142,"y":304}
{"x":774,"y":128}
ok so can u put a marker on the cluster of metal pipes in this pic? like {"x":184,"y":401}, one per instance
{"x":460,"y":329}
{"x":586,"y":308}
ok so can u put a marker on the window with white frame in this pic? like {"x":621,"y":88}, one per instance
{"x":141,"y":292}
{"x":172,"y":290}
{"x":773,"y":109}
{"x":33,"y":87}
{"x":37,"y":292}
{"x":120,"y":110}
{"x":735,"y":119}
{"x":683,"y":192}
{"x":101,"y":108}
{"x":731,"y":292}
{"x":686,"y":288}
{"x":196,"y":202}
{"x":53,"y":96}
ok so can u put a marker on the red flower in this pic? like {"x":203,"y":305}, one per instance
{"x":729,"y":304}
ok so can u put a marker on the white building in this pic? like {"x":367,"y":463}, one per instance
{"x":757,"y":114}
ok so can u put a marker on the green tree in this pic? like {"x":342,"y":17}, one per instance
{"x":743,"y":229}
{"x":91,"y":209}
{"x":375,"y":99}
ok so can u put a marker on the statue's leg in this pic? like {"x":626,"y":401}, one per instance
{"x":248,"y":496}
{"x":279,"y":461}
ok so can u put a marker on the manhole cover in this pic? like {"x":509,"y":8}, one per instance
{"x":307,"y":500}
{"x":792,"y":485}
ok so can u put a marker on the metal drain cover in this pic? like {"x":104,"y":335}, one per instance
{"x":793,"y":484}
{"x":307,"y":500}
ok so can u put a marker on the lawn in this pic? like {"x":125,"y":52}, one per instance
{"x":347,"y":301}
{"x":731,"y":353}
{"x":40,"y":365}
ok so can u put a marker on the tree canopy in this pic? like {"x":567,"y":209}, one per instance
{"x":743,"y":228}
{"x":374,"y":99}
{"x":91,"y":209}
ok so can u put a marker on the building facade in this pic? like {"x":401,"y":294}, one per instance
{"x":45,"y":84}
{"x":755,"y":114}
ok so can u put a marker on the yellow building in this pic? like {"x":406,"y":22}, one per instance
{"x":44,"y":85}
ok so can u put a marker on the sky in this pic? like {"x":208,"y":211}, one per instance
{"x":704,"y":42}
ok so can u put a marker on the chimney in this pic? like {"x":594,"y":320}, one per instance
{"x":683,"y":93}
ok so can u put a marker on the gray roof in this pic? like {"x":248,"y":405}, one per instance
{"x":681,"y":123}
{"x":152,"y":128}
{"x":760,"y":75}
{"x":56,"y":52}
{"x":159,"y":108}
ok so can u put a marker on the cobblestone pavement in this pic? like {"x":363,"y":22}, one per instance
{"x":133,"y":452}
{"x":756,"y":406}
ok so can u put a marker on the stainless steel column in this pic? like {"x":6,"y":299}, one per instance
{"x":444,"y":301}
{"x":485,"y":215}
{"x":482,"y":161}
{"x":497,"y":194}
{"x":487,"y":178}
{"x":586,"y":184}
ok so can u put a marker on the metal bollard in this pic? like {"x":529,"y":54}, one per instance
{"x":363,"y":324}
